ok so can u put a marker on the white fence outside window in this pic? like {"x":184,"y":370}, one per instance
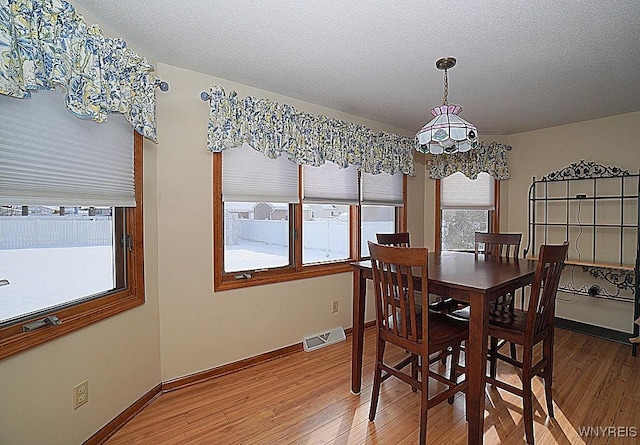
{"x":32,"y":232}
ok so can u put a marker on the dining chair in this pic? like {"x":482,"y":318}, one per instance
{"x":443,"y":305}
{"x":505,"y":245}
{"x":401,"y":239}
{"x":528,"y":329}
{"x":497,"y":244}
{"x":398,"y":239}
{"x":420,"y":333}
{"x":493,"y":244}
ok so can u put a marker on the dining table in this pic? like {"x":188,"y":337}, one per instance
{"x":465,"y":276}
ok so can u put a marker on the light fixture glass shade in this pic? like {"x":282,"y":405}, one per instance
{"x":447,"y":132}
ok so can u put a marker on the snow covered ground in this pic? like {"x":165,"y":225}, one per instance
{"x":42,"y":278}
{"x":252,"y":255}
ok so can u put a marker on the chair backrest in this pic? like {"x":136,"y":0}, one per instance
{"x":542,"y":301}
{"x":394,"y":271}
{"x":498,"y":244}
{"x":399,"y":239}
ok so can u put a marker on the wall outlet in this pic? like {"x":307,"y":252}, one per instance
{"x":80,"y":394}
{"x":334,"y":306}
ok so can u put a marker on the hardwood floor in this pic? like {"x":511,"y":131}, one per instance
{"x":304,"y":399}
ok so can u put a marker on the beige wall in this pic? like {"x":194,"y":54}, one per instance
{"x":202,"y":329}
{"x":119,"y":356}
{"x":608,"y":141}
{"x":416,"y":201}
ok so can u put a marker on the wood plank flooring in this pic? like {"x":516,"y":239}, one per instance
{"x":304,"y":399}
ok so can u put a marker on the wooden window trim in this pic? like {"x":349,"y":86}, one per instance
{"x":13,"y":340}
{"x":401,"y":213}
{"x":494,"y":215}
{"x":225,"y":281}
{"x":438,"y":216}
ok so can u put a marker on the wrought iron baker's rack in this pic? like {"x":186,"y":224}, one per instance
{"x":556,"y":190}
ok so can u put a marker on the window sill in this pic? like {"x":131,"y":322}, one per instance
{"x":228,"y":281}
{"x":13,"y":340}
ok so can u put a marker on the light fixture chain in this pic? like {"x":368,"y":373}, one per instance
{"x":446,"y":88}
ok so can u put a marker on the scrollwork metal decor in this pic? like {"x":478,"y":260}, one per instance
{"x":622,"y":279}
{"x":585,"y":170}
{"x":602,"y":293}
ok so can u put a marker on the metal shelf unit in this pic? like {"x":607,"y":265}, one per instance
{"x":608,"y":198}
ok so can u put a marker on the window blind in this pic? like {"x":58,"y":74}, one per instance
{"x":382,"y":189}
{"x":250,"y":176}
{"x":50,"y":157}
{"x":329,"y":183}
{"x":460,"y":192}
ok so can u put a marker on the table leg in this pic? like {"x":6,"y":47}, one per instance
{"x":357,"y":342}
{"x":476,"y":359}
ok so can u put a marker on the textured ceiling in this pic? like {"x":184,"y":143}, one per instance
{"x":522,"y":65}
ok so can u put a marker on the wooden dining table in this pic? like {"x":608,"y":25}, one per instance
{"x":467,"y":277}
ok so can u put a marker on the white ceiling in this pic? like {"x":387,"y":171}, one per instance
{"x":522,"y":65}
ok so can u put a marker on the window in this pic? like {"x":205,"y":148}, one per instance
{"x":382,"y":196}
{"x":70,"y":221}
{"x":328,"y":191}
{"x":276,"y":221}
{"x":465,"y":206}
{"x":256,"y":194}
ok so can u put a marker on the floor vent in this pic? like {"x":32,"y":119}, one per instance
{"x":327,"y":338}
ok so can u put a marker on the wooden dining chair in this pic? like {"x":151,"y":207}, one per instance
{"x":505,"y":245}
{"x":424,"y":333}
{"x":529,"y":328}
{"x":492,"y":244}
{"x":398,"y":239}
{"x":401,"y":239}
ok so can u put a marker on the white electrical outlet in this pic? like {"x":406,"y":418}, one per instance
{"x":80,"y":394}
{"x":334,"y":306}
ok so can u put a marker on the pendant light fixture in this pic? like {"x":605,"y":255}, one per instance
{"x":447,"y":132}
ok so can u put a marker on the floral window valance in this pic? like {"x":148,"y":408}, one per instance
{"x":46,"y":43}
{"x":491,"y":159}
{"x":274,"y":129}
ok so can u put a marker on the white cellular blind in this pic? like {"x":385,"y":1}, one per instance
{"x":250,"y":176}
{"x":50,"y":157}
{"x":382,"y":189}
{"x":330,"y":184}
{"x":460,"y":192}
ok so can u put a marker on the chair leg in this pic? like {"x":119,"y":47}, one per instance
{"x":443,"y":356}
{"x":466,"y":405}
{"x":414,"y":370}
{"x":547,"y":374}
{"x":512,"y":305}
{"x":453,"y":372}
{"x":424,"y":400}
{"x":493,"y":359}
{"x":377,"y":379}
{"x":527,"y":397}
